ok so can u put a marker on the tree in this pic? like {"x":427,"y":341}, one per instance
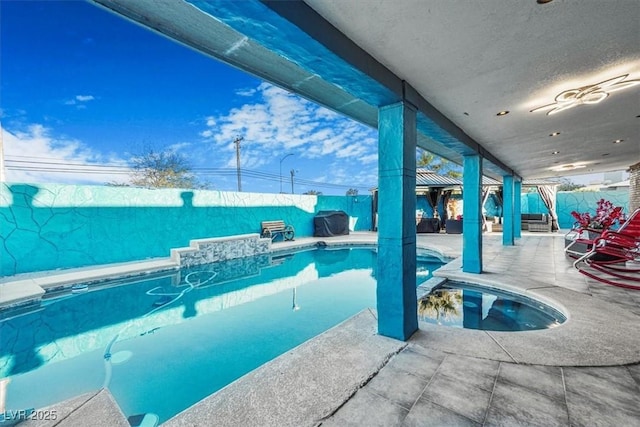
{"x":437,"y":164}
{"x":352,"y":192}
{"x":313,"y":193}
{"x":165,"y":169}
{"x":567,"y":185}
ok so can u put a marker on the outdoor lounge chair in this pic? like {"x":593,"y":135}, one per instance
{"x":579,"y":240}
{"x":614,"y":258}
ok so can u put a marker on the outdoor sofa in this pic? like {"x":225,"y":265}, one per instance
{"x":535,"y":222}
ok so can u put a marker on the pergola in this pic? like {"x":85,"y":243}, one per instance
{"x":437,"y":190}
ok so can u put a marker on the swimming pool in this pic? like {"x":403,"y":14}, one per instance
{"x":164,"y":343}
{"x":469,"y":306}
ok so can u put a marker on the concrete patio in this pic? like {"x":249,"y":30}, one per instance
{"x":435,"y":382}
{"x":583,"y":373}
{"x":452,"y":377}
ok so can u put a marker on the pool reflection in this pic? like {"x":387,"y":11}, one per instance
{"x":469,"y":307}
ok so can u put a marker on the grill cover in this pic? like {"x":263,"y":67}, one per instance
{"x":330,"y":223}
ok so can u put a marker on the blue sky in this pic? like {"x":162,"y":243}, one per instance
{"x":81,"y":86}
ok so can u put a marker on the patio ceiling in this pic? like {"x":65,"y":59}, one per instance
{"x":473,"y":59}
{"x":462,"y":62}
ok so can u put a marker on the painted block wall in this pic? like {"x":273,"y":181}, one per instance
{"x":51,"y":226}
{"x":586,"y":202}
{"x":579,"y":201}
{"x":566,"y":202}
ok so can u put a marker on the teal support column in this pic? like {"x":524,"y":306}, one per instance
{"x":517,"y":208}
{"x":508,"y":211}
{"x":396,"y":291}
{"x":472,"y":214}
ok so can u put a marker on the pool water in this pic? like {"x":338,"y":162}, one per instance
{"x":474,"y":307}
{"x":162,"y":344}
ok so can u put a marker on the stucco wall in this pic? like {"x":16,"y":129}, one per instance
{"x":49,"y":226}
{"x":579,"y":201}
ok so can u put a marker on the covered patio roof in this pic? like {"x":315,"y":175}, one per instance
{"x":510,"y":90}
{"x":459,"y":63}
{"x":427,"y":178}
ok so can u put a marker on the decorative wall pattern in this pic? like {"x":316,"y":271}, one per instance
{"x":47,"y":227}
{"x":579,"y":201}
{"x":586,"y":202}
{"x":51,"y":226}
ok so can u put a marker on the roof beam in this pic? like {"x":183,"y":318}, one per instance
{"x":308,"y":20}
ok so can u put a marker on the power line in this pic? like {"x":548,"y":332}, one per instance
{"x":74,"y":167}
{"x":100,"y":165}
{"x":65,"y":170}
{"x":53,"y":161}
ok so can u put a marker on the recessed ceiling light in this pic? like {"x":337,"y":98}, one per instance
{"x":618,"y":141}
{"x":502,"y":113}
{"x":556,"y":152}
{"x":554,"y":134}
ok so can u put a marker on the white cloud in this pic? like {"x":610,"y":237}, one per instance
{"x":370,"y":158}
{"x":363,"y":177}
{"x":78,"y":99}
{"x":279,"y":123}
{"x":81,"y":164}
{"x":246,"y":92}
{"x":179,"y":146}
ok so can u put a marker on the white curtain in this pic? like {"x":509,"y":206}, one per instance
{"x":485,"y":197}
{"x":548,"y":195}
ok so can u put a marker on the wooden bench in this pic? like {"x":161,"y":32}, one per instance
{"x":271,"y":229}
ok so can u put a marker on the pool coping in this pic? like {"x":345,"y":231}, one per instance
{"x":582,"y":341}
{"x":29,"y":288}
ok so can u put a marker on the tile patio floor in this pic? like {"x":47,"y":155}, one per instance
{"x":422,"y":386}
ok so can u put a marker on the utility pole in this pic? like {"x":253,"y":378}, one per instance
{"x":237,"y":143}
{"x":284,"y":157}
{"x":293,"y":172}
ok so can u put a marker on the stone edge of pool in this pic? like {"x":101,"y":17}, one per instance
{"x":303,"y":386}
{"x":582,"y":340}
{"x":277,"y":390}
{"x":30,"y":288}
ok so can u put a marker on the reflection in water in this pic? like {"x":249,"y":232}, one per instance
{"x":473,"y":307}
{"x":294,"y":305}
{"x":441,"y":304}
{"x":183,"y":335}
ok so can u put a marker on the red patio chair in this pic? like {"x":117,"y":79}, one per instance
{"x":579,"y":240}
{"x":614,"y":258}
